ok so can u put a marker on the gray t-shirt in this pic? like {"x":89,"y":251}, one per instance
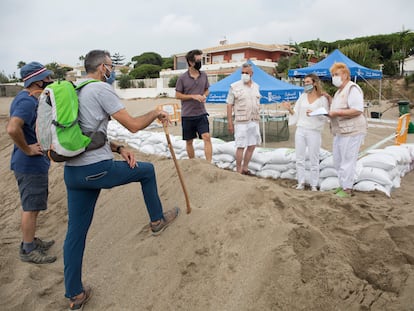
{"x":97,"y":101}
{"x":188,"y":85}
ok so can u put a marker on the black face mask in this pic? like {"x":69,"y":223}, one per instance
{"x":45,"y":84}
{"x":197,"y":65}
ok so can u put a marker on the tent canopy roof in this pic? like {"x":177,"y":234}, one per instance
{"x":321,"y":69}
{"x":271,"y":89}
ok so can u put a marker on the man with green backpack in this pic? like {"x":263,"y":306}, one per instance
{"x":93,"y":170}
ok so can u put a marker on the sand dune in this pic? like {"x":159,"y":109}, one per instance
{"x":249,"y":244}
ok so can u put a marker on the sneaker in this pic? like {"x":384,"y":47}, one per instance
{"x":43,"y":245}
{"x":167,"y":218}
{"x":36,"y":256}
{"x":300,"y":187}
{"x":79,"y":303}
{"x":314,"y":188}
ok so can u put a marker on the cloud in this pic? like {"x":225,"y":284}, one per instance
{"x":177,"y":25}
{"x":61,"y":31}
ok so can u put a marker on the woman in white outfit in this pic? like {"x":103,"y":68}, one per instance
{"x":308,"y":129}
{"x":348,"y":125}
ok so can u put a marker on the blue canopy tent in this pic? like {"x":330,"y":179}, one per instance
{"x":321,"y":69}
{"x":271,"y":89}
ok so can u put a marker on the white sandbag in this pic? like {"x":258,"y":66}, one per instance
{"x":289,"y":174}
{"x":410,"y":148}
{"x":369,"y":185}
{"x":375,"y":174}
{"x":198,"y":144}
{"x":262,"y":155}
{"x":396,"y":182}
{"x":381,"y":160}
{"x":178,"y":145}
{"x":155,"y":138}
{"x":134,"y":145}
{"x":199,"y":153}
{"x":224,"y":165}
{"x":281,"y":156}
{"x":394,"y":154}
{"x":402,"y":151}
{"x":329,"y":183}
{"x":268,"y":174}
{"x":160,"y":149}
{"x":276,"y":167}
{"x":223,"y":158}
{"x":328,"y":172}
{"x":134,"y":141}
{"x":323,"y":154}
{"x":327,"y":162}
{"x":147,"y":149}
{"x":254,"y":166}
{"x":228,"y":148}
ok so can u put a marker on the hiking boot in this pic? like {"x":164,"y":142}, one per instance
{"x":79,"y":303}
{"x":167,"y":218}
{"x":43,"y":245}
{"x":36,"y":256}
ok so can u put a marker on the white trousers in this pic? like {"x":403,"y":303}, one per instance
{"x":311,"y":139}
{"x":345,"y":151}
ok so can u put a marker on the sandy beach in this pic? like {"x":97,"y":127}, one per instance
{"x":248,"y":244}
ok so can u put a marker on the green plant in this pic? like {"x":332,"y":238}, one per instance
{"x":141,"y":84}
{"x":124,"y":81}
{"x":173,"y":81}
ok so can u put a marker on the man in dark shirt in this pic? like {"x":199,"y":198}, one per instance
{"x":192,"y":89}
{"x":30,"y":166}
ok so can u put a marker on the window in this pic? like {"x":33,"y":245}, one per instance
{"x":237,"y":57}
{"x":218,"y":59}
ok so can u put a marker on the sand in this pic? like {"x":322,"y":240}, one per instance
{"x":248,"y":244}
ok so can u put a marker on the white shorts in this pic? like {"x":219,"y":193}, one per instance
{"x":247,"y":134}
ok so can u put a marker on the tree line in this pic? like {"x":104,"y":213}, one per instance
{"x":386,"y":52}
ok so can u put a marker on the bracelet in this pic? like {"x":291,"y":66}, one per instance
{"x":118,"y":149}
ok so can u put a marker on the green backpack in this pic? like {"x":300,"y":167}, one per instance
{"x":57,"y":126}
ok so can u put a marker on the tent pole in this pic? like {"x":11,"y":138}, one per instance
{"x":264,"y":131}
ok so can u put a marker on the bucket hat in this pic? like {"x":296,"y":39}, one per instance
{"x":33,"y":72}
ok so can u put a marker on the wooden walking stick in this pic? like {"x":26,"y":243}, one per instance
{"x":167,"y":134}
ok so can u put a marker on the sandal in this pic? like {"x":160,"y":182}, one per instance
{"x":167,"y":218}
{"x":247,"y":172}
{"x":79,"y":303}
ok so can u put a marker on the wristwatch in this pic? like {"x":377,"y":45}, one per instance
{"x":118,"y":149}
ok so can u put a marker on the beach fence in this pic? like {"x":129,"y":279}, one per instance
{"x":272,"y":128}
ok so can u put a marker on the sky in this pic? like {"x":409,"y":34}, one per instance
{"x":61,"y":31}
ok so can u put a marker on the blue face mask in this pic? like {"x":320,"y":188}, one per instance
{"x":111,"y":78}
{"x":308,"y":88}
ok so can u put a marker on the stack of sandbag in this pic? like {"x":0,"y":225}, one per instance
{"x":328,"y":177}
{"x":382,"y":169}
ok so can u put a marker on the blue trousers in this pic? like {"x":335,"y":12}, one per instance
{"x":83,"y":185}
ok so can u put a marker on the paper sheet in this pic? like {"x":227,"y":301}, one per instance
{"x":321,"y":111}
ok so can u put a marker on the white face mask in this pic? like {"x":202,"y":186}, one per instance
{"x":337,"y":81}
{"x":245,"y":78}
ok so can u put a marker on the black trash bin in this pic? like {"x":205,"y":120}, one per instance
{"x":403,"y":107}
